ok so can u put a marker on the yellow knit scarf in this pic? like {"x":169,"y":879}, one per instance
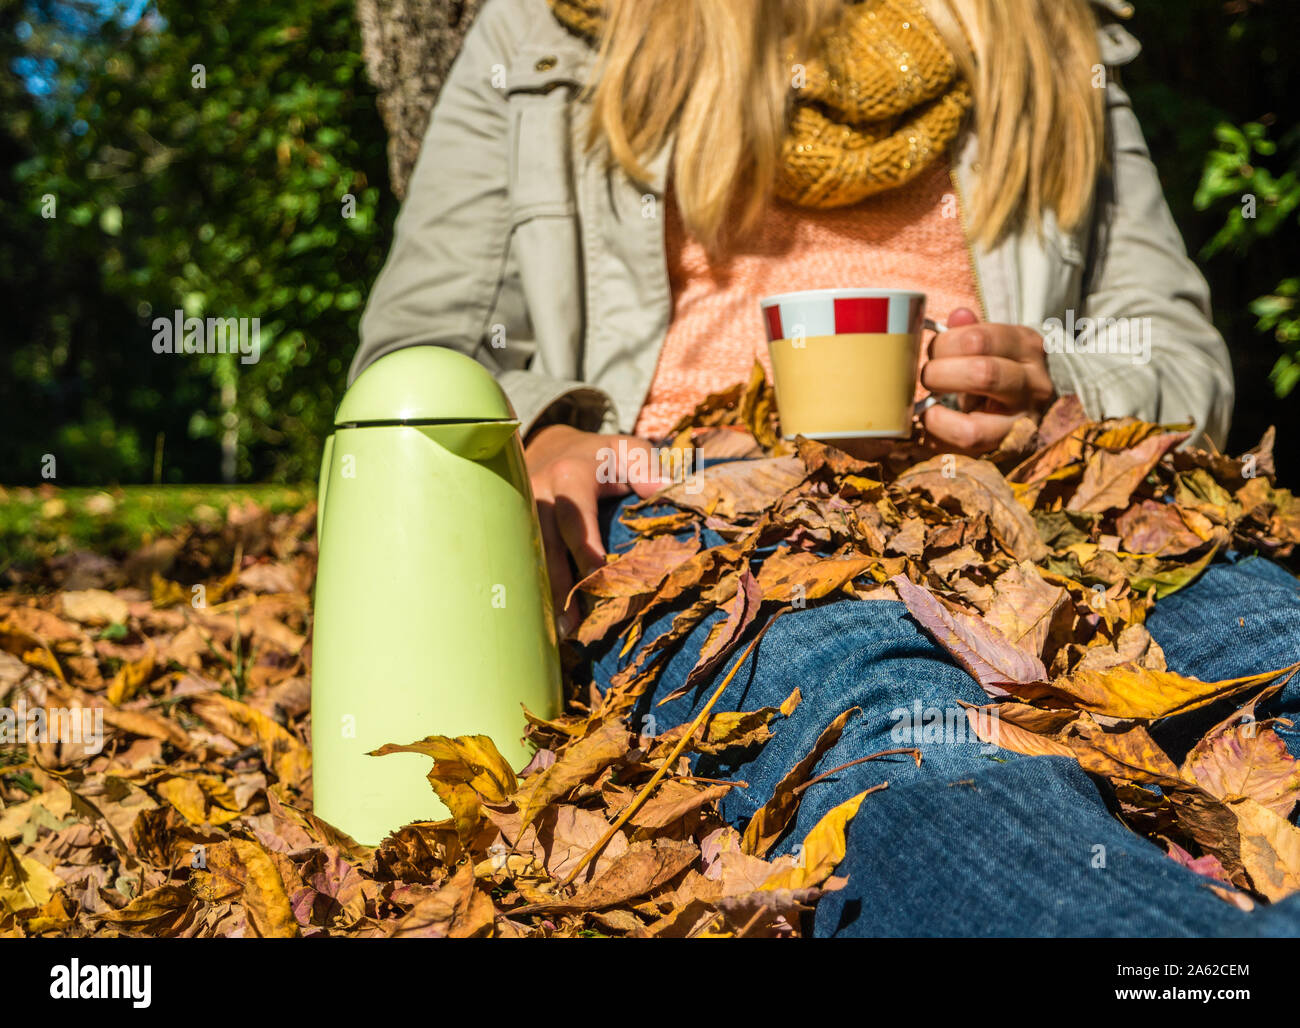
{"x":874,"y":110}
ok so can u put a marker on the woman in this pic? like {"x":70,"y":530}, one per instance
{"x":604,"y":192}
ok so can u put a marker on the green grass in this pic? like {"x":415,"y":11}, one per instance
{"x":37,"y":524}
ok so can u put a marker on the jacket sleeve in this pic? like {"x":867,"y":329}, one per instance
{"x":440,"y":283}
{"x":1140,"y":275}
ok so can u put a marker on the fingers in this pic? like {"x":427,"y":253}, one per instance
{"x":571,"y":473}
{"x":639,"y":468}
{"x":973,"y":433}
{"x":1013,"y":385}
{"x":995,"y":377}
{"x":578,"y":523}
{"x":1004,"y":363}
{"x":557,"y":567}
{"x":982,"y":340}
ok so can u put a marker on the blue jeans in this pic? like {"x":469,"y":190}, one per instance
{"x":978,"y":841}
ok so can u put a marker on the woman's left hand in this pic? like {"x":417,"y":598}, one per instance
{"x":1000,"y":371}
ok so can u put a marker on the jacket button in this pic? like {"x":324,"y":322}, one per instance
{"x":545,"y":64}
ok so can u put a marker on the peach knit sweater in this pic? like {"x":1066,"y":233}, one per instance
{"x":910,"y":237}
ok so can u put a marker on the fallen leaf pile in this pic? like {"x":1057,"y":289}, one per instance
{"x":1034,"y":567}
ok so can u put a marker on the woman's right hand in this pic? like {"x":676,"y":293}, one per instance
{"x":563,"y":463}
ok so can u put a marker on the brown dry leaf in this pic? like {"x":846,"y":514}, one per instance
{"x":736,"y":489}
{"x":991,"y":727}
{"x":1062,"y":418}
{"x":153,"y":726}
{"x":731,"y":443}
{"x":674,"y":799}
{"x":948,"y":564}
{"x":819,"y":457}
{"x":288,"y":758}
{"x":1110,"y":477}
{"x":580,"y":762}
{"x":160,"y":911}
{"x":979,"y":488}
{"x":1151,"y":527}
{"x":771,"y":819}
{"x":564,"y":835}
{"x":1270,"y":850}
{"x":94,"y":607}
{"x":641,"y":569}
{"x":1247,"y":760}
{"x":268,"y":577}
{"x":644,"y":867}
{"x":458,"y":910}
{"x":1133,"y":646}
{"x":787,"y":576}
{"x":1023,"y":607}
{"x":241,"y":870}
{"x":990,"y":657}
{"x":725,"y":635}
{"x":909,"y":540}
{"x":333,"y":893}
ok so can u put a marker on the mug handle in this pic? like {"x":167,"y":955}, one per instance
{"x":949,"y":400}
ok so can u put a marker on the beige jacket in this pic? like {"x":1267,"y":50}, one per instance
{"x":519,"y":248}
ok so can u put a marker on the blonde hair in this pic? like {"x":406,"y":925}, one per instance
{"x":713,"y":79}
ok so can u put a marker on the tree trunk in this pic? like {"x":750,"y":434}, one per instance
{"x":408,"y":46}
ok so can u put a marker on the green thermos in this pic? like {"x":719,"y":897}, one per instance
{"x":432,"y":612}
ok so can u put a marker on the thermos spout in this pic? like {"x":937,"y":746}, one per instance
{"x":473,"y":440}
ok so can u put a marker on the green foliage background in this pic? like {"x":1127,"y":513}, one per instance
{"x":222,"y":197}
{"x":1209,"y":70}
{"x":227,"y":201}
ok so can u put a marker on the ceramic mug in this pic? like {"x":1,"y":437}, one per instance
{"x":845,"y":361}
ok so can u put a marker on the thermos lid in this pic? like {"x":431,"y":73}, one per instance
{"x":423,"y":384}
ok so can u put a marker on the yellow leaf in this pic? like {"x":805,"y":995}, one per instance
{"x":1130,"y":691}
{"x":471,"y":759}
{"x":25,"y":883}
{"x":770,"y":820}
{"x":823,"y":849}
{"x":130,"y":676}
{"x":242,"y":868}
{"x":200,"y":799}
{"x":288,"y":758}
{"x":166,"y":593}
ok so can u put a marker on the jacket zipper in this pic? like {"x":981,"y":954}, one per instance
{"x":970,"y":246}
